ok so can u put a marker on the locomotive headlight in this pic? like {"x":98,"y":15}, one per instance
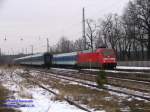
{"x":105,"y":59}
{"x":110,"y":59}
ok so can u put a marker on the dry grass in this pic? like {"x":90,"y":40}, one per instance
{"x":92,"y":98}
{"x":83,"y":95}
{"x":11,"y":67}
{"x":99,"y":100}
{"x":4,"y":92}
{"x":24,"y":94}
{"x":135,"y":106}
{"x":3,"y":96}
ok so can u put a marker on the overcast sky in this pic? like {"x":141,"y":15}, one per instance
{"x":36,"y":20}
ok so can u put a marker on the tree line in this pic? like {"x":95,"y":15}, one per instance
{"x":128,"y":34}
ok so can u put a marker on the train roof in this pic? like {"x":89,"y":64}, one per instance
{"x":65,"y":54}
{"x":30,"y":56}
{"x":75,"y":53}
{"x":86,"y":51}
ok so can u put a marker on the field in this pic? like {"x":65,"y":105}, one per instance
{"x":14,"y":88}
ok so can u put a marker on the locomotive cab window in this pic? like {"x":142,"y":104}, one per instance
{"x":108,"y":52}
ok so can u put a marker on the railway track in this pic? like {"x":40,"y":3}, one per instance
{"x":32,"y":79}
{"x":116,"y":79}
{"x":119,"y":73}
{"x":66,"y":75}
{"x":138,"y":76}
{"x":138,"y":85}
{"x":126,"y":83}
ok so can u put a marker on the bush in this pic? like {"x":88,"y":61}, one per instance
{"x":101,"y":78}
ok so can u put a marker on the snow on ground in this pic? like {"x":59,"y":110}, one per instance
{"x":129,"y":91}
{"x":109,"y":87}
{"x":116,"y":71}
{"x":64,"y":69}
{"x":132,"y":68}
{"x":40,"y":101}
{"x":120,"y":67}
{"x":91,"y":70}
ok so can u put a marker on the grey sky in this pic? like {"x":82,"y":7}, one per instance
{"x":36,"y":20}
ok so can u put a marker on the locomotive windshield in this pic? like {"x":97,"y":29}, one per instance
{"x":108,"y":52}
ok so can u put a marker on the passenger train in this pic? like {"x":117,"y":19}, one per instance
{"x":99,"y":58}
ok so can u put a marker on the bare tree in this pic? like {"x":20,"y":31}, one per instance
{"x":111,"y":30}
{"x":63,"y":46}
{"x":129,"y":27}
{"x":99,"y":40}
{"x":79,"y":44}
{"x":140,"y":10}
{"x":91,"y":33}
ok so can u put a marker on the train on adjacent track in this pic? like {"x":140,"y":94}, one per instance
{"x":99,"y":58}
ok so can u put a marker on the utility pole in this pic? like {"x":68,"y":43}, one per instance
{"x":12,"y":51}
{"x":26,"y":51}
{"x":22,"y":50}
{"x":0,"y":52}
{"x":83,"y":26}
{"x":5,"y":38}
{"x":32,"y":49}
{"x":47,"y":45}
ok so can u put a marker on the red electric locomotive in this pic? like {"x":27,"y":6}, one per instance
{"x":100,"y":58}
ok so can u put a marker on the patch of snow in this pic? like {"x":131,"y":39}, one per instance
{"x":91,"y":70}
{"x":126,"y":109}
{"x":107,"y":86}
{"x":42,"y":100}
{"x":108,"y":98}
{"x":114,"y":71}
{"x":42,"y":103}
{"x":129,"y":91}
{"x":19,"y":70}
{"x":133,"y":68}
{"x":64,"y":69}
